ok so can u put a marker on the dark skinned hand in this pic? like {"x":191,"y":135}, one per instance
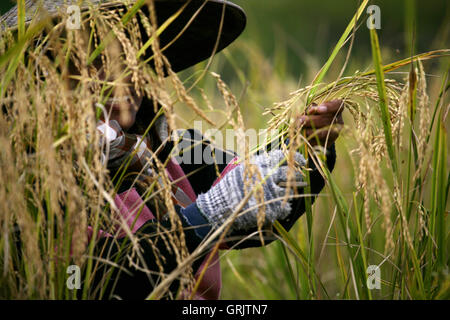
{"x":322,"y":124}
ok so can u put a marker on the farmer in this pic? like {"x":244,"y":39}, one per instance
{"x":205,"y":196}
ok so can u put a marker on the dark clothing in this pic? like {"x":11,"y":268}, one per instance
{"x":139,"y":284}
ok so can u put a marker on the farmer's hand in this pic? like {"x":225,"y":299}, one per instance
{"x":322,"y":123}
{"x":222,"y":200}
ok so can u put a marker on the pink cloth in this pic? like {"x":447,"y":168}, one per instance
{"x":133,"y":209}
{"x":175,"y":172}
{"x":233,"y":164}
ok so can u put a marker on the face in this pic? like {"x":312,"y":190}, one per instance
{"x":123,"y":102}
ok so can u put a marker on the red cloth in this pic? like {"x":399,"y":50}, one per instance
{"x":135,"y":213}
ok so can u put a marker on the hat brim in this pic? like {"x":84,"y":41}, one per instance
{"x":203,"y":28}
{"x":216,"y":26}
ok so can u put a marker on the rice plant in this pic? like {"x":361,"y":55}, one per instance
{"x":388,"y":214}
{"x":390,"y":210}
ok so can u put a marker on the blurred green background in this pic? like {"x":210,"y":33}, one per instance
{"x":297,"y":28}
{"x":285,"y":44}
{"x":315,"y":26}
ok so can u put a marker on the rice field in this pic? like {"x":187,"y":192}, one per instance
{"x":379,"y":229}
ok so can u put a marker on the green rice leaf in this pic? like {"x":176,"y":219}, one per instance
{"x":336,"y":50}
{"x":383,"y":101}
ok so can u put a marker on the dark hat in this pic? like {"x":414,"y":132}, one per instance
{"x":196,"y":43}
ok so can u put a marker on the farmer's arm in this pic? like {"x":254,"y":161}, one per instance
{"x":322,"y":125}
{"x":319,"y":124}
{"x":317,"y":184}
{"x":236,"y":239}
{"x":132,"y":282}
{"x":241,"y":240}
